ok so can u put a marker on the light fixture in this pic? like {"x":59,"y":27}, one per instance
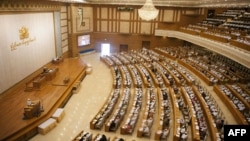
{"x":148,"y":11}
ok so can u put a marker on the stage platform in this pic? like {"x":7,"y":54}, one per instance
{"x":52,"y":94}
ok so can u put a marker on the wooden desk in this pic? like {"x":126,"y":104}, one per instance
{"x":58,"y":114}
{"x":165,"y":54}
{"x":50,"y":74}
{"x":240,"y":45}
{"x":46,"y":126}
{"x":210,"y":121}
{"x":198,"y":73}
{"x":176,"y":116}
{"x":194,"y":123}
{"x":155,"y":81}
{"x":38,"y":82}
{"x":213,"y":37}
{"x":236,"y":94}
{"x":188,"y":82}
{"x":52,"y":96}
{"x":177,"y":81}
{"x":189,"y":31}
{"x":57,"y":60}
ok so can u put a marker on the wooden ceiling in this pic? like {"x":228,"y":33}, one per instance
{"x":177,"y":3}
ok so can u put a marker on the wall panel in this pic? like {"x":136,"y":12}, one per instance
{"x":124,"y":27}
{"x":168,"y":15}
{"x":104,"y":26}
{"x":22,"y":53}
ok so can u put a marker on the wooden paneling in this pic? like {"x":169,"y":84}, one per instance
{"x":132,"y":40}
{"x":124,"y":27}
{"x":168,"y":15}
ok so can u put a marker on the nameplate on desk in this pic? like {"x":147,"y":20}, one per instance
{"x":233,"y":132}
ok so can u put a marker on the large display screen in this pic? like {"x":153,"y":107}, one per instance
{"x":83,"y":40}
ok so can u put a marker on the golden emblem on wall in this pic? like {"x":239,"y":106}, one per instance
{"x":25,"y":40}
{"x":23,"y":33}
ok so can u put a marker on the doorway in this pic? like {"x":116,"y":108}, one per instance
{"x":105,"y":49}
{"x":146,"y":44}
{"x":123,"y":48}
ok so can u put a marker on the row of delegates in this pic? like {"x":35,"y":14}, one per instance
{"x":198,"y":26}
{"x":242,"y":92}
{"x":215,"y":69}
{"x":198,"y":112}
{"x":172,"y":51}
{"x":187,"y":74}
{"x":241,"y":107}
{"x":191,"y":29}
{"x":121,"y":110}
{"x":117,"y":77}
{"x":106,"y":110}
{"x":127,"y":80}
{"x":136,"y":75}
{"x":167,"y":73}
{"x":178,"y":75}
{"x":246,"y":96}
{"x":129,"y":125}
{"x":108,"y":60}
{"x":218,"y":118}
{"x":144,"y":55}
{"x":130,"y":57}
{"x":193,"y":63}
{"x":116,"y":60}
{"x":164,"y":114}
{"x":122,"y":58}
{"x":233,"y":66}
{"x":182,"y":130}
{"x":147,"y":121}
{"x":146,"y":74}
{"x":244,"y":40}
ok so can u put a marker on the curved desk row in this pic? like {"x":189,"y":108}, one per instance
{"x":235,"y":112}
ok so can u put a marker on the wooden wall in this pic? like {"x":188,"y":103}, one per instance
{"x":125,"y":27}
{"x":133,"y":41}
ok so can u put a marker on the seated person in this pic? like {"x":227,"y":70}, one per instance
{"x":112,"y":125}
{"x":165,"y":133}
{"x":146,"y":131}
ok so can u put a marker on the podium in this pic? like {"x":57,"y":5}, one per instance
{"x":50,"y":74}
{"x":33,"y":110}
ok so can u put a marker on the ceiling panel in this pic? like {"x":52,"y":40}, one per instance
{"x":177,"y":3}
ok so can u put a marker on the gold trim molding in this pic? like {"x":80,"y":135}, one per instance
{"x":29,"y":5}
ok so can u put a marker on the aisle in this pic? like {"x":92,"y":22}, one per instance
{"x":82,"y":106}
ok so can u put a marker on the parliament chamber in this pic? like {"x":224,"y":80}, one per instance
{"x":181,"y":76}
